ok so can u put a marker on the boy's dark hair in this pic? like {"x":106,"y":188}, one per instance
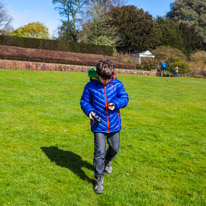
{"x":105,"y":68}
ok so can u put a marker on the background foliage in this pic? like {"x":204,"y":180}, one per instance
{"x":57,"y":45}
{"x":5,"y":19}
{"x":128,"y":28}
{"x":97,"y":28}
{"x":32,"y":30}
{"x":69,"y":9}
{"x":198,"y":63}
{"x":179,"y":35}
{"x":183,"y":67}
{"x":136,"y":28}
{"x":192,"y":12}
{"x":169,"y":54}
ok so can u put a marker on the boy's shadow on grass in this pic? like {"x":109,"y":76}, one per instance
{"x":69,"y":160}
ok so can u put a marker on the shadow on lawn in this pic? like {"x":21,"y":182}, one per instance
{"x":69,"y":160}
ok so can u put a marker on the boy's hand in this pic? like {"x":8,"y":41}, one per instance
{"x":91,"y":115}
{"x":111,"y":106}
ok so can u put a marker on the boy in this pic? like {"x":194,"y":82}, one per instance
{"x":176,"y":71}
{"x":104,"y":96}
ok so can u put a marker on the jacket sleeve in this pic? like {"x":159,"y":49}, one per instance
{"x":122,"y":98}
{"x":85,"y":101}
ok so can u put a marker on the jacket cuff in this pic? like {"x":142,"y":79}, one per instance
{"x":92,"y":110}
{"x":115,"y":105}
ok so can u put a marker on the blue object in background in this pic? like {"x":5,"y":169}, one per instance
{"x":163,"y":64}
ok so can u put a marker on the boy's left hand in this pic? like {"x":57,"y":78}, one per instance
{"x":111,"y":106}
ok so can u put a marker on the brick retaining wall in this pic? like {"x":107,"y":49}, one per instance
{"x":25,"y":65}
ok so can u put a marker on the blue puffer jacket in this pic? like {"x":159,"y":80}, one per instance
{"x":96,"y":98}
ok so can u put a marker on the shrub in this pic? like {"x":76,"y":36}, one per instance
{"x":198,"y":63}
{"x":198,"y":57}
{"x":147,"y":64}
{"x":203,"y":72}
{"x":197,"y":69}
{"x":168,"y":73}
{"x":184,"y":68}
{"x":125,"y":57}
{"x":168,"y":54}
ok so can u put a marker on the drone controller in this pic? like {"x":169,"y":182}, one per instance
{"x":96,"y":118}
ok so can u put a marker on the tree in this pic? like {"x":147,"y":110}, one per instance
{"x":106,"y":4}
{"x":97,"y":28}
{"x":170,"y":33}
{"x":191,"y":37}
{"x":136,"y":28}
{"x":69,"y":10}
{"x":66,"y":31}
{"x":5,"y":19}
{"x":179,"y":35}
{"x":32,"y":30}
{"x":190,"y":11}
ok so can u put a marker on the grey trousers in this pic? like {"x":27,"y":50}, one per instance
{"x":101,"y":155}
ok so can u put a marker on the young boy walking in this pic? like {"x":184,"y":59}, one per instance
{"x":104,"y":96}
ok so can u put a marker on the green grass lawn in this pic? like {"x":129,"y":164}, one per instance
{"x":46,"y":150}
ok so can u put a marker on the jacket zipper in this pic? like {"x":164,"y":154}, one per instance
{"x":105,"y":96}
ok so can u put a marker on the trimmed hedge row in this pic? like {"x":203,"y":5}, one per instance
{"x":56,"y":45}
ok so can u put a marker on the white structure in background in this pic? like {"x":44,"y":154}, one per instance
{"x":145,"y":54}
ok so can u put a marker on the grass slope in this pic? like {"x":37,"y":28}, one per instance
{"x":47,"y":147}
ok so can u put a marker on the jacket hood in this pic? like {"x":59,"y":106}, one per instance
{"x":93,"y":76}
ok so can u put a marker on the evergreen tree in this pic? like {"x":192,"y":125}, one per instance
{"x":179,"y":35}
{"x":171,"y":34}
{"x":191,"y":37}
{"x":136,"y":28}
{"x":190,"y":11}
{"x":66,"y":31}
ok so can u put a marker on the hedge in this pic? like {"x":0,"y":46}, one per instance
{"x":56,"y":45}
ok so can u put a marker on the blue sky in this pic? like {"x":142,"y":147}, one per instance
{"x":27,"y":11}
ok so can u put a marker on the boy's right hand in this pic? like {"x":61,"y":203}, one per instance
{"x":91,"y":115}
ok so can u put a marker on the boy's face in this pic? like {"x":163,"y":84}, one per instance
{"x":104,"y":81}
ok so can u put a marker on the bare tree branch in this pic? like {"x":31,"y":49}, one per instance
{"x":5,"y":19}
